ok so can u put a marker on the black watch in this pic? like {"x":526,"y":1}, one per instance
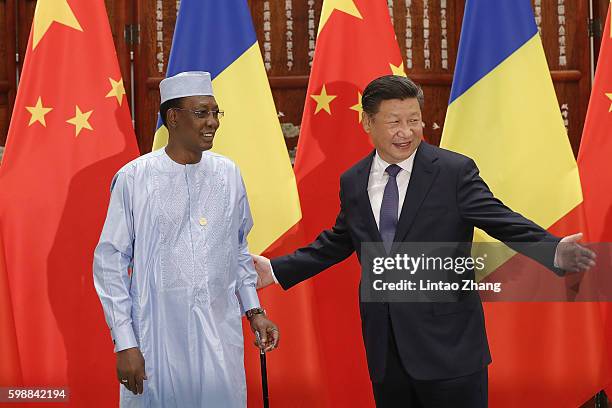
{"x":255,"y":311}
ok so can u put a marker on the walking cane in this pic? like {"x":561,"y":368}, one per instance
{"x":264,"y":372}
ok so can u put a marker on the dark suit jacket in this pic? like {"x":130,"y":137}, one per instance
{"x":446,"y":199}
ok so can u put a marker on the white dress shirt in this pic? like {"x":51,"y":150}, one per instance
{"x":378,"y":180}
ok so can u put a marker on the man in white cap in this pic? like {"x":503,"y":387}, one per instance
{"x":178,"y":219}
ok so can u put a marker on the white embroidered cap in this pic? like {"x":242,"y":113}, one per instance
{"x":191,"y":83}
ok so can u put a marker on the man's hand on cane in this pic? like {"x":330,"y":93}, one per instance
{"x":268,"y":332}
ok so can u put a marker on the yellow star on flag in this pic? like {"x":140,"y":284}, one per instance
{"x":398,"y":70}
{"x":50,"y":11}
{"x":38,"y":113}
{"x":117,"y":90}
{"x":329,"y":6}
{"x":80,"y":121}
{"x":609,"y":95}
{"x":323,"y":100}
{"x":358,"y":108}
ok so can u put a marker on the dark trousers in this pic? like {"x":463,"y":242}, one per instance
{"x":398,"y":389}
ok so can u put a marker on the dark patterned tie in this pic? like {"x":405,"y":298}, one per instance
{"x":388,"y":207}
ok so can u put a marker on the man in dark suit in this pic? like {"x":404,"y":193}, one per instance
{"x":419,"y":354}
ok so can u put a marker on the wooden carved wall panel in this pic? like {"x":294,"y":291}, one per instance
{"x":293,"y":27}
{"x":8,"y":70}
{"x":564,"y":33}
{"x":156,"y":19}
{"x":120,"y":13}
{"x":600,"y":13}
{"x":427,"y":31}
{"x":25,"y":15}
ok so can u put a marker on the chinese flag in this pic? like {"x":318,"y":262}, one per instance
{"x":595,"y":167}
{"x":70,"y":132}
{"x":596,"y":147}
{"x":356,"y":44}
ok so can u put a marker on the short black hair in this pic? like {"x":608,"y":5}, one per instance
{"x":166,"y":106}
{"x":389,"y":87}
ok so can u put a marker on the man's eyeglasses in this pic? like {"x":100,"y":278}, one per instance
{"x":202,"y":114}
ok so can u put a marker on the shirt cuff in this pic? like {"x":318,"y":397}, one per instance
{"x":556,"y":260}
{"x":123,"y":337}
{"x":272,"y":271}
{"x":247,"y":295}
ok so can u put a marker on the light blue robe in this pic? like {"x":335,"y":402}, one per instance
{"x":183,"y":230}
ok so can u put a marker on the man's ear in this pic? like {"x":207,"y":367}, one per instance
{"x":171,"y":118}
{"x":366,"y":122}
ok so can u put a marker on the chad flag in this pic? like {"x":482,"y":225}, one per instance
{"x":504,"y":113}
{"x":218,"y":37}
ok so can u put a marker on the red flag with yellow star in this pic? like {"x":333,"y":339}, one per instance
{"x":596,"y":147}
{"x":356,"y":44}
{"x":594,"y":164}
{"x":70,"y":132}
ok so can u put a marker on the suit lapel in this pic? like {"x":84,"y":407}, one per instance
{"x":424,"y":173}
{"x":363,"y":200}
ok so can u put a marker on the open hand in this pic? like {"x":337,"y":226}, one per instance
{"x":573,"y":257}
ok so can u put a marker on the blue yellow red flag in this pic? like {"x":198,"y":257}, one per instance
{"x":218,"y":37}
{"x":503,"y":112}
